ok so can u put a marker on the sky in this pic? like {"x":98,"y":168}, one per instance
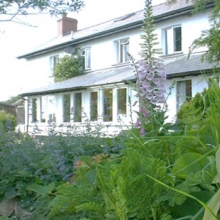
{"x":17,"y":39}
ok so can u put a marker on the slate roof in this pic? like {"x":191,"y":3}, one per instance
{"x":161,"y":12}
{"x":177,"y":67}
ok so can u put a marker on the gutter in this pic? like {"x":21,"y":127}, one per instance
{"x":127,"y":27}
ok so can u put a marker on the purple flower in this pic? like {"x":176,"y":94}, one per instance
{"x":142,"y":131}
{"x":145,"y":114}
{"x":137,"y":124}
{"x":150,"y":76}
{"x":149,"y":96}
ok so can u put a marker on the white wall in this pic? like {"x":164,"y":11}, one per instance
{"x":102,"y":56}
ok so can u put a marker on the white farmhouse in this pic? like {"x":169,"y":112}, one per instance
{"x":103,"y":93}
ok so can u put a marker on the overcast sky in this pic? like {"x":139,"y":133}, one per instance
{"x":16,"y":39}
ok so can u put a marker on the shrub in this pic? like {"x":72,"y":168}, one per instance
{"x":7,"y":121}
{"x":68,"y":67}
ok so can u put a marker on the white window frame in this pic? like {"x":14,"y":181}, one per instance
{"x":182,"y":96}
{"x":168,"y":40}
{"x":53,"y":62}
{"x":121,"y":48}
{"x":86,"y":54}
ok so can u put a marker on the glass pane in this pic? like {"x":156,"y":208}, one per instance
{"x":188,"y":90}
{"x":88,"y":58}
{"x":66,"y":108}
{"x":51,"y":108}
{"x":34,"y":110}
{"x":177,"y":39}
{"x":94,"y":106}
{"x":117,"y":51}
{"x":122,"y":104}
{"x":107,"y":105}
{"x":43,"y":108}
{"x":184,"y":92}
{"x":78,"y":107}
{"x":169,"y":42}
{"x":126,"y":50}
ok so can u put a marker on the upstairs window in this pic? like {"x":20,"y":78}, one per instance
{"x":86,"y":54}
{"x":121,"y":50}
{"x":183,"y":92}
{"x":53,"y":62}
{"x":172,"y":40}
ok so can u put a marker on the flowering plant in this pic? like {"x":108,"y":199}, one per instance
{"x":151,"y":76}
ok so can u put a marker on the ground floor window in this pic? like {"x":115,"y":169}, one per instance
{"x":107,"y":105}
{"x":122,"y":101}
{"x":33,"y":110}
{"x":94,"y":106}
{"x":43,"y":105}
{"x":77,"y":107}
{"x":183,"y":92}
{"x":66,"y":108}
{"x":51,"y":108}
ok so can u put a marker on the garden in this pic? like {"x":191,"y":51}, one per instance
{"x":153,"y":171}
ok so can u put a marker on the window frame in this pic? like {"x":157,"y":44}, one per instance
{"x":121,"y":47}
{"x":53,"y":62}
{"x":170,"y":43}
{"x":188,"y":92}
{"x":86,"y":55}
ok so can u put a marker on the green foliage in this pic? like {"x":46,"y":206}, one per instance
{"x":52,"y":7}
{"x":200,"y":115}
{"x":209,"y":39}
{"x":31,"y":169}
{"x":68,"y":67}
{"x":150,"y":38}
{"x":7,"y":121}
{"x":13,"y":99}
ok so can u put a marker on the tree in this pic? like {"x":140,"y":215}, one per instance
{"x":12,"y":8}
{"x":13,"y":99}
{"x":209,"y":38}
{"x":68,"y":67}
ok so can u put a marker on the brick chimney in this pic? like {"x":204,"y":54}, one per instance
{"x":66,"y":25}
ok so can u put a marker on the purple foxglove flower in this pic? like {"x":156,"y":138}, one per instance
{"x":149,"y":96}
{"x":141,"y":75}
{"x":145,"y":114}
{"x":142,"y":131}
{"x":154,"y":101}
{"x":150,"y":76}
{"x":137,"y":124}
{"x":149,"y":89}
{"x":152,"y":69}
{"x":162,"y":100}
{"x":145,"y":84}
{"x":159,"y":94}
{"x":141,"y":109}
{"x":157,"y":81}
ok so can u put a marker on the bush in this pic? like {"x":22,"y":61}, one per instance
{"x":7,"y":121}
{"x":68,"y":67}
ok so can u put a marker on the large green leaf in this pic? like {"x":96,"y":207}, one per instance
{"x":10,"y":193}
{"x":191,"y":163}
{"x":217,"y":156}
{"x":214,"y":205}
{"x":42,"y":190}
